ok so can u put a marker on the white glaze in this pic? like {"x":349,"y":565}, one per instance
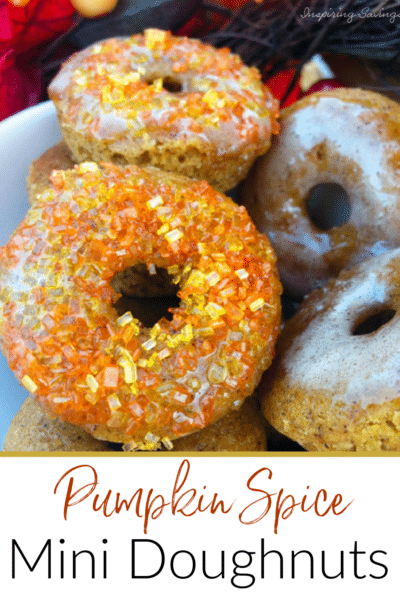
{"x":326,"y":356}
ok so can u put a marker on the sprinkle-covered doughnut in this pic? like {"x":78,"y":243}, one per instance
{"x":170,"y":102}
{"x":335,"y":384}
{"x":116,"y":379}
{"x":346,"y":137}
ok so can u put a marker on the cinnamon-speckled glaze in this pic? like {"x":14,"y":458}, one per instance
{"x":343,"y":136}
{"x":335,"y":384}
{"x":171,"y":102}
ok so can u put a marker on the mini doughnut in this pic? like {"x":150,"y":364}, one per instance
{"x":170,"y":102}
{"x":120,"y":381}
{"x":33,"y":431}
{"x":348,"y":137}
{"x":335,"y":384}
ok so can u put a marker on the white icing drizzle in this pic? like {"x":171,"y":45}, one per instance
{"x":326,"y":357}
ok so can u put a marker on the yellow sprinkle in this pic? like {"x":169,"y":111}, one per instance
{"x":88,"y":167}
{"x":204,"y":332}
{"x":213,"y":278}
{"x":125,"y":355}
{"x":153,"y":37}
{"x":187,"y":269}
{"x":256,"y":304}
{"x":218,"y":256}
{"x":29,"y":384}
{"x":164,"y":354}
{"x":113,"y":402}
{"x":150,"y":437}
{"x":242,"y":274}
{"x":187,"y":333}
{"x":130,"y":373}
{"x":173,"y":340}
{"x":236,"y":246}
{"x":210,"y":98}
{"x":214,"y":310}
{"x":125,"y":319}
{"x":142,"y":362}
{"x":105,"y":94}
{"x":196,"y":278}
{"x":91,"y":398}
{"x":155,"y":331}
{"x":149,"y":345}
{"x":134,"y":389}
{"x":152,"y":360}
{"x":163,"y":229}
{"x":154,"y":202}
{"x":92,"y":383}
{"x":157,"y":85}
{"x":167,"y":443}
{"x":173,"y":270}
{"x":173,"y":236}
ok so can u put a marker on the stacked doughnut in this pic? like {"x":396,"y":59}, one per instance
{"x":334,"y":384}
{"x":170,"y":102}
{"x":97,"y":228}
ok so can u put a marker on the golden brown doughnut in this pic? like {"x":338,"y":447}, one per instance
{"x":170,"y":102}
{"x":335,"y":383}
{"x":348,"y":137}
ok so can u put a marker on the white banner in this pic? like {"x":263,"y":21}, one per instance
{"x":249,"y":527}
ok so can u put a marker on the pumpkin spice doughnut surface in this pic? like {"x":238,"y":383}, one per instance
{"x":115,"y":378}
{"x":171,"y":102}
{"x":346,"y":137}
{"x":335,"y":383}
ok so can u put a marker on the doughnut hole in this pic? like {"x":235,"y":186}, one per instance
{"x":373,"y":320}
{"x":169,"y":83}
{"x":147,"y":296}
{"x":328,"y":206}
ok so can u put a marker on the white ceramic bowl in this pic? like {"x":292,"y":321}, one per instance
{"x":23,"y":137}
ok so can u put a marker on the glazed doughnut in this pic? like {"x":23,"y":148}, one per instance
{"x":170,"y":102}
{"x":348,"y":137}
{"x":335,"y":383}
{"x":33,"y":431}
{"x":118,"y":380}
